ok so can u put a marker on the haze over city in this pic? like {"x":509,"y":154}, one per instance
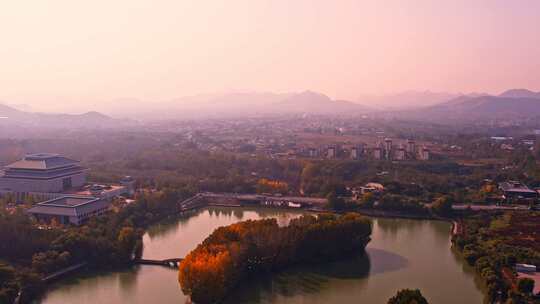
{"x":67,"y":56}
{"x":270,"y":152}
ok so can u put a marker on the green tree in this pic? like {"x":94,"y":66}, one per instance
{"x":408,"y":296}
{"x":443,"y":206}
{"x":8,"y":288}
{"x":526,"y":286}
{"x":127,"y":238}
{"x":367,"y":200}
{"x":335,"y":202}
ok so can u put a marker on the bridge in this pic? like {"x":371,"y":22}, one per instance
{"x":203,"y":199}
{"x":173,"y":263}
{"x":194,"y":202}
{"x":62,"y":272}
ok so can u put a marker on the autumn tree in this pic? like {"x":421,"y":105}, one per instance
{"x":443,"y":206}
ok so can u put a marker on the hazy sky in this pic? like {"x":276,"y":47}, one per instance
{"x":77,"y":52}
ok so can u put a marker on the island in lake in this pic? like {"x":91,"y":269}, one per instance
{"x":232,"y":253}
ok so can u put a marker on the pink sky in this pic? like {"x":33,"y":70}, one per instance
{"x":56,"y":52}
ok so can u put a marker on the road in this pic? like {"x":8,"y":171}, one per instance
{"x":488,"y":207}
{"x":258,"y":197}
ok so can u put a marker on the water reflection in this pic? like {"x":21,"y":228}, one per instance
{"x":402,"y":254}
{"x":307,"y":281}
{"x":300,"y":280}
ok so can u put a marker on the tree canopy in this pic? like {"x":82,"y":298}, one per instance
{"x":234,"y":252}
{"x":408,"y":296}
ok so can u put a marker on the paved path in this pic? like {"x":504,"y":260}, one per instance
{"x":488,"y":207}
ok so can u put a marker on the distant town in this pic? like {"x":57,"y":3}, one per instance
{"x":88,"y":197}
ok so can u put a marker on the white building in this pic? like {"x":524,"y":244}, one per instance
{"x":388,"y":148}
{"x":400,"y":154}
{"x":425,"y":153}
{"x":331,"y":152}
{"x":357,"y":151}
{"x":377,"y":153}
{"x":411,"y":147}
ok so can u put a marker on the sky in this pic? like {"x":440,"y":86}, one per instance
{"x":71,"y":54}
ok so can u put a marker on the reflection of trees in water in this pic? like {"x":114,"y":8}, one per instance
{"x":392,"y":227}
{"x":309,"y":279}
{"x":238,"y":213}
{"x":128,"y":279}
{"x":441,"y":233}
{"x":468,"y":270}
{"x":172,"y":224}
{"x":91,"y":279}
{"x":283,"y":216}
{"x":218,"y":212}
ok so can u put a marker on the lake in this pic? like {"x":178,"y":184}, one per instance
{"x":402,"y":254}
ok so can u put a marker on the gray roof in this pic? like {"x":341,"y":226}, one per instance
{"x":42,"y":161}
{"x":513,"y":186}
{"x":69,"y":205}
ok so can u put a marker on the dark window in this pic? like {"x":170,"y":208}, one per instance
{"x":66,"y":183}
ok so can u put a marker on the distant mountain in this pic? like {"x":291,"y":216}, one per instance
{"x":520,"y":93}
{"x":249,"y":104}
{"x":7,"y":111}
{"x":509,"y":105}
{"x":14,"y":117}
{"x":317,"y":103}
{"x":407,"y":100}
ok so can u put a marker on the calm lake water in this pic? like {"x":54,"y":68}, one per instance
{"x":402,"y":254}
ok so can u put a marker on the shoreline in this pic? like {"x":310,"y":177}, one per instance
{"x":364,"y":212}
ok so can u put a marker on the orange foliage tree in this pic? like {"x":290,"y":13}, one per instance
{"x":234,"y":252}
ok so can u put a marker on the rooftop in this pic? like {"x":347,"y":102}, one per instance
{"x":514,"y":186}
{"x":42,"y":161}
{"x":69,"y":206}
{"x":69,"y":201}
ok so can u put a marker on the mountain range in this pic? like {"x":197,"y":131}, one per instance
{"x":406,"y":100}
{"x":243,"y":104}
{"x":511,"y":104}
{"x":10,"y":116}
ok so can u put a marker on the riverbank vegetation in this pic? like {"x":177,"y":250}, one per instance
{"x":232,"y":253}
{"x":107,"y":241}
{"x":493,"y":243}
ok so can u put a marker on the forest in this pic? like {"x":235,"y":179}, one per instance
{"x":233,"y":253}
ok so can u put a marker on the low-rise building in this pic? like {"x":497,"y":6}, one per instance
{"x":517,"y":192}
{"x":74,"y":210}
{"x":357,"y":193}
